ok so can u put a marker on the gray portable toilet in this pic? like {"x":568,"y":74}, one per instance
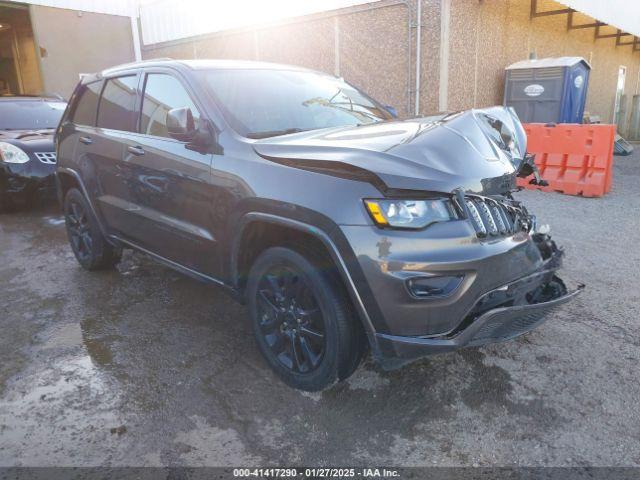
{"x":548,"y":90}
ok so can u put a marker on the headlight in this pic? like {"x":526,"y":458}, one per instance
{"x":414,"y":214}
{"x":12,"y":154}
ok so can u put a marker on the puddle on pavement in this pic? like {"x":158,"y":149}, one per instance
{"x":98,"y":351}
{"x":66,"y":389}
{"x":68,"y":335}
{"x":54,"y":221}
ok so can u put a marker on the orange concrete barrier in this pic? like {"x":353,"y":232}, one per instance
{"x":575,"y":159}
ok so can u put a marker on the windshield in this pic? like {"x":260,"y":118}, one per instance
{"x":265,"y":103}
{"x":37,"y":114}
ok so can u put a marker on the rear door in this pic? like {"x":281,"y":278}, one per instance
{"x":115,"y":118}
{"x":76,"y":131}
{"x":91,"y":144}
{"x":169,"y":180}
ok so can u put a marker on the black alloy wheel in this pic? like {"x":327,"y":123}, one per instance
{"x":79,"y":230}
{"x":302,"y":318}
{"x":290,"y":319}
{"x":91,"y":249}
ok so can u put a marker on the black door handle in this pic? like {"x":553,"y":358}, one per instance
{"x":136,"y":150}
{"x":86,"y":140}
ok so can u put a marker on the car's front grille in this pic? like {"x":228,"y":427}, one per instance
{"x":490,"y":217}
{"x":46,"y":157}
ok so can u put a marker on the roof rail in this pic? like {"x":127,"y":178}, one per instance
{"x":133,"y":64}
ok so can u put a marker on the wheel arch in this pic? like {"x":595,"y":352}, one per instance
{"x":67,"y":178}
{"x":261,"y":220}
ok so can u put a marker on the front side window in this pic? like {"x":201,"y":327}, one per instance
{"x":87,"y":105}
{"x":264,"y":103}
{"x":117,"y":103}
{"x":162,"y":93}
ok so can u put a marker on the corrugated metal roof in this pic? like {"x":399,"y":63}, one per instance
{"x":623,"y":14}
{"x":547,"y":62}
{"x":165,"y":20}
{"x":126,"y":8}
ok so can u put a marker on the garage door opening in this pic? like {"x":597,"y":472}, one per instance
{"x":19,"y":69}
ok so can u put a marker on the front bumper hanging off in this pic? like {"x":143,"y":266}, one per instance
{"x":499,"y":315}
{"x":496,"y":325}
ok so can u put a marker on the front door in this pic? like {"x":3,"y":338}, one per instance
{"x":169,"y":182}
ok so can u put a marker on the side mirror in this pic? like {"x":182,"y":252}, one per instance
{"x":392,"y":111}
{"x":180,"y":124}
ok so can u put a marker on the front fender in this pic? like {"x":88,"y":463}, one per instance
{"x":337,"y":247}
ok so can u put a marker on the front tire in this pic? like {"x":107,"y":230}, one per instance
{"x":91,"y":249}
{"x":302,"y":320}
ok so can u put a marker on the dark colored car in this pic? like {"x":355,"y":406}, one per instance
{"x":342,"y":228}
{"x":27,"y":152}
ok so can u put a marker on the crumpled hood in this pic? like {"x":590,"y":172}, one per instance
{"x":478,"y":151}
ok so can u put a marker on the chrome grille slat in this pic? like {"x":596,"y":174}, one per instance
{"x":476,"y":219}
{"x":495,"y":210}
{"x":490,"y":223}
{"x":46,"y":157}
{"x":507,"y":219}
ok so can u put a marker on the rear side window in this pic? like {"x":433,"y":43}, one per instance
{"x":87,"y":105}
{"x":162,"y":93}
{"x":117,"y":102}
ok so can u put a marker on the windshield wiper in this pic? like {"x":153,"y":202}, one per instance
{"x":275,"y":133}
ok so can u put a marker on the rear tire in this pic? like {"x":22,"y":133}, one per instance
{"x":91,"y":249}
{"x":302,"y":320}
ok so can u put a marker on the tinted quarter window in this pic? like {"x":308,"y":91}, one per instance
{"x":162,"y":93}
{"x":116,"y":103}
{"x":87,"y":105}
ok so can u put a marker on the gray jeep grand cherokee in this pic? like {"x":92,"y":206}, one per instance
{"x":342,"y":228}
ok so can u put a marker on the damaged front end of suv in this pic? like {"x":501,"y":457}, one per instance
{"x":452,"y":258}
{"x":512,"y":308}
